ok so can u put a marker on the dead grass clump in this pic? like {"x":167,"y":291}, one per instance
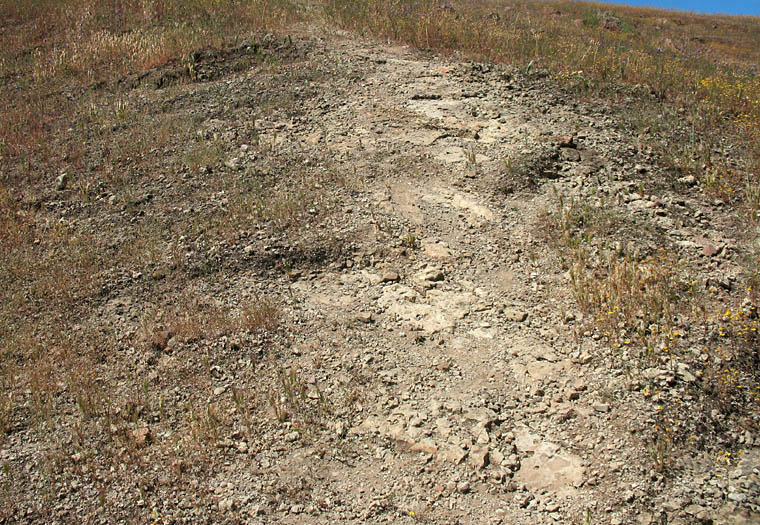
{"x":292,"y":399}
{"x":260,"y":316}
{"x":193,"y":318}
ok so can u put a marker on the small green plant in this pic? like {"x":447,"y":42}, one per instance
{"x":205,"y":423}
{"x":289,"y":395}
{"x":204,"y":155}
{"x":289,"y":399}
{"x":472,"y":158}
{"x":409,"y":240}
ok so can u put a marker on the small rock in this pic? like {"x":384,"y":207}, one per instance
{"x":227,"y":505}
{"x":428,"y":276}
{"x":710,"y":250}
{"x":463,"y":487}
{"x":453,"y":454}
{"x":689,"y":180}
{"x":512,"y":462}
{"x":479,"y":457}
{"x":693,"y":509}
{"x":61,"y":181}
{"x":579,"y":385}
{"x":141,"y":435}
{"x":291,"y":436}
{"x":672,"y":505}
{"x":365,"y":317}
{"x":391,"y":277}
{"x":513,"y":314}
{"x":218,"y":391}
{"x":685,"y":374}
{"x":602,"y":407}
{"x":566,"y":413}
{"x":426,"y":446}
{"x":523,"y":500}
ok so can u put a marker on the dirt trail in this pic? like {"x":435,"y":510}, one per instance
{"x":452,"y":326}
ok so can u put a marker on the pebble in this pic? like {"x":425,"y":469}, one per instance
{"x":523,"y":500}
{"x":141,"y":435}
{"x":61,"y":181}
{"x":227,"y":505}
{"x":513,"y":314}
{"x":391,"y":277}
{"x":428,"y":276}
{"x":220,"y":390}
{"x":365,"y":317}
{"x":710,"y":250}
{"x":479,"y":457}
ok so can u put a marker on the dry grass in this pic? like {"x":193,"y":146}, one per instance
{"x":82,"y":395}
{"x":653,"y":315}
{"x":703,"y":66}
{"x":53,"y":52}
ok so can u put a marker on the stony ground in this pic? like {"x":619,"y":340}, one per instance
{"x":430,"y":361}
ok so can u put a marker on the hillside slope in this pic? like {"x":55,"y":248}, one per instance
{"x":321,"y":278}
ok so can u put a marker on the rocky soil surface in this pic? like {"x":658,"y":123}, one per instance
{"x":430,"y":363}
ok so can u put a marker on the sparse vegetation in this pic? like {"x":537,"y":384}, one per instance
{"x":126,"y":361}
{"x":654,"y":315}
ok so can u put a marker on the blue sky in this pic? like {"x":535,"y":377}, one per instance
{"x":734,"y":7}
